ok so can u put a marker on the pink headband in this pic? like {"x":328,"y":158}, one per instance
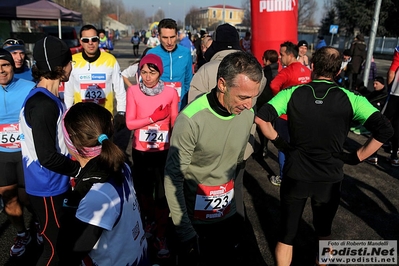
{"x":87,"y":151}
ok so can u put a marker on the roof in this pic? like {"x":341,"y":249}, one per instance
{"x":225,"y":6}
{"x":37,"y":9}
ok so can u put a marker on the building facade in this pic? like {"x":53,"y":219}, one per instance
{"x":212,"y":16}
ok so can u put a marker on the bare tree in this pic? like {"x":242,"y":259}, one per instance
{"x":135,"y":17}
{"x":89,"y":12}
{"x":191,"y":18}
{"x":246,"y":5}
{"x":160,"y":14}
{"x":306,"y":10}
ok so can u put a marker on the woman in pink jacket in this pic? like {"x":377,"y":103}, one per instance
{"x":151,"y":111}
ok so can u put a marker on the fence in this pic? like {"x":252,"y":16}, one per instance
{"x":382,"y":45}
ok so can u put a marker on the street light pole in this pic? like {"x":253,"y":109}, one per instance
{"x":153,"y":14}
{"x":184,"y":15}
{"x":224,"y":12}
{"x":370,"y":48}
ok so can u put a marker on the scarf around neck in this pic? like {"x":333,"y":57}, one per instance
{"x":157,"y":89}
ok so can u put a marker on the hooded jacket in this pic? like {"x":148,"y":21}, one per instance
{"x":204,"y":79}
{"x":177,"y":67}
{"x":358,"y":52}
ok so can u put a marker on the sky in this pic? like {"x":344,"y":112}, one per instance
{"x":177,"y":9}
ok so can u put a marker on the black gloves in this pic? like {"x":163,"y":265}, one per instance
{"x":348,"y":158}
{"x":189,"y":251}
{"x":119,"y":121}
{"x":281,"y":144}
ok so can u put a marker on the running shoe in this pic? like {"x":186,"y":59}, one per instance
{"x":361,"y":131}
{"x":39,"y":235}
{"x":265,"y":152}
{"x":163,"y":250}
{"x":394,"y":162}
{"x":397,"y":152}
{"x":275,"y":180}
{"x":372,"y":160}
{"x":20,"y":243}
{"x":149,"y":230}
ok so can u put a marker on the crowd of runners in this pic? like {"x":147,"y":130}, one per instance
{"x":193,"y":118}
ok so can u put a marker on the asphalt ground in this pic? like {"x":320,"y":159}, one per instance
{"x":368,"y":208}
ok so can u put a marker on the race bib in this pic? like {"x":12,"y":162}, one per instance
{"x":10,"y":136}
{"x":153,"y":137}
{"x":213,"y":202}
{"x":93,"y":93}
{"x":176,"y":85}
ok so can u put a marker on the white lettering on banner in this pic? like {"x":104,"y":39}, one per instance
{"x":358,"y":252}
{"x":276,"y":5}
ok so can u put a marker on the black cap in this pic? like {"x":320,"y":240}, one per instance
{"x":347,"y":52}
{"x":380,"y":80}
{"x":303,"y":43}
{"x":226,"y":38}
{"x":6,"y":55}
{"x":51,"y":52}
{"x":202,"y":33}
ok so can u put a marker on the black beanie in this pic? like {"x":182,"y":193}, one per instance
{"x":51,"y":52}
{"x":226,"y":38}
{"x":380,"y":80}
{"x":6,"y":55}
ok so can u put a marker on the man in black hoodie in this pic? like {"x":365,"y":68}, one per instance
{"x":358,"y":54}
{"x":197,"y":45}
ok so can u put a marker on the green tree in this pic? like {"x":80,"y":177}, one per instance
{"x":329,"y":19}
{"x":392,"y":20}
{"x":356,"y":15}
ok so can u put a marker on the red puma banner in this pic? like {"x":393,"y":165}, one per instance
{"x":273,"y":22}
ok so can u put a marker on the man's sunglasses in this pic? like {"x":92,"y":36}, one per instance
{"x":88,"y":39}
{"x":13,"y":42}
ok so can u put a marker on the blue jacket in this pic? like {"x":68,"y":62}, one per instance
{"x":12,"y":97}
{"x":25,"y":74}
{"x":187,"y":43}
{"x":320,"y":44}
{"x":177,"y":67}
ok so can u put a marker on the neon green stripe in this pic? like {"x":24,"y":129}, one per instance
{"x":202,"y":103}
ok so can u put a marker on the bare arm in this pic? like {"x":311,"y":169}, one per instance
{"x":267,"y":128}
{"x":371,"y":146}
{"x":390,"y":76}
